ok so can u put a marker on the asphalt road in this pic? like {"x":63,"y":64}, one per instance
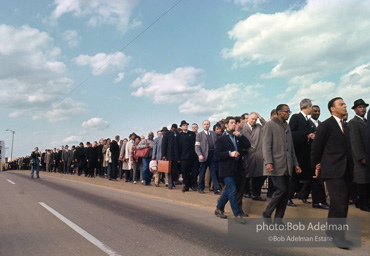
{"x":96,"y":220}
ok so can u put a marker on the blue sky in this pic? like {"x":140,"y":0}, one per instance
{"x":68,"y":72}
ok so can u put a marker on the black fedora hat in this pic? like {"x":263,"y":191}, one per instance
{"x":358,"y":103}
{"x":183,"y":122}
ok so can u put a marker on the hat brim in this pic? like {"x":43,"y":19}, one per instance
{"x":355,"y":106}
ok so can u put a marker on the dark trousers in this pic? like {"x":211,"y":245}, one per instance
{"x":81,"y":167}
{"x":247,"y":186}
{"x":60,"y":167}
{"x":270,"y":189}
{"x":280,"y":197}
{"x":128,"y":175}
{"x":353,"y":193}
{"x":189,"y":169}
{"x":91,"y":171}
{"x":147,"y":174}
{"x":174,"y":175}
{"x":211,"y":163}
{"x":294,"y":185}
{"x":230,"y":194}
{"x":120,"y":171}
{"x":257,"y":183}
{"x":339,"y":196}
{"x":113,"y":174}
{"x":194,"y":181}
{"x":65,"y":166}
{"x":240,"y":185}
{"x":69,"y":168}
{"x":99,"y":169}
{"x":318,"y":191}
{"x":363,"y":194}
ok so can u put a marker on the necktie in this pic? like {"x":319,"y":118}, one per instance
{"x":342,"y":123}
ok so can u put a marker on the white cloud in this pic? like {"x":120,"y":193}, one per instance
{"x":167,"y":88}
{"x":119,"y":77}
{"x":28,"y":55}
{"x":72,"y":38}
{"x":95,"y":123}
{"x":62,"y":111}
{"x":352,"y":86}
{"x":323,"y":37}
{"x":225,"y":98}
{"x":214,"y":118}
{"x":319,"y":93}
{"x":181,"y":86}
{"x":249,"y":4}
{"x":32,"y":78}
{"x":98,"y":12}
{"x":103,"y":63}
{"x":355,"y":85}
{"x":73,"y":139}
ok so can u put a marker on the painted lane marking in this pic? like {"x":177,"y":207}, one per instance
{"x":10,"y":181}
{"x":80,"y":231}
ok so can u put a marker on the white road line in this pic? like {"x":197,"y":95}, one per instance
{"x":82,"y":232}
{"x":10,"y":181}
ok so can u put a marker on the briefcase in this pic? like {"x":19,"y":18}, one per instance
{"x":164,"y":166}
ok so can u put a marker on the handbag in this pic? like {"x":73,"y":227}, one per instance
{"x":153,"y":166}
{"x":143,"y":153}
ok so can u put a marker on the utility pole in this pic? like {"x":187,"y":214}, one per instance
{"x":11,"y":153}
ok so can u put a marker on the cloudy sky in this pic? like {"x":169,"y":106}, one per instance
{"x":82,"y":70}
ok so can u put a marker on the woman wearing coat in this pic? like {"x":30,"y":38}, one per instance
{"x":104,"y":151}
{"x":108,"y":157}
{"x":135,"y":163}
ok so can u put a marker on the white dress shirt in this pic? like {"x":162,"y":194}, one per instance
{"x":339,"y":121}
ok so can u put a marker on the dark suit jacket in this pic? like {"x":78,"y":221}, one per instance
{"x":187,"y":146}
{"x":100,"y":153}
{"x":80,"y":154}
{"x":300,"y":128}
{"x":92,"y":157}
{"x":114,"y":149}
{"x":368,"y":145}
{"x":358,"y":143}
{"x":223,"y":148}
{"x":170,"y":146}
{"x":332,"y":149}
{"x":59,"y":154}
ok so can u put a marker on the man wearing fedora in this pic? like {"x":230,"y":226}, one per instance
{"x":358,"y":126}
{"x":188,"y":157}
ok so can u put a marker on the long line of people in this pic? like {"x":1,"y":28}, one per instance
{"x":193,"y":154}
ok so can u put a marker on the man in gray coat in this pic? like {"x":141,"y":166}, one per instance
{"x":253,"y":158}
{"x":358,"y":126}
{"x":280,"y":160}
{"x":205,"y":148}
{"x":65,"y":156}
{"x":157,"y":154}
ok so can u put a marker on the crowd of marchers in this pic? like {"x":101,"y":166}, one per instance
{"x":293,"y":156}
